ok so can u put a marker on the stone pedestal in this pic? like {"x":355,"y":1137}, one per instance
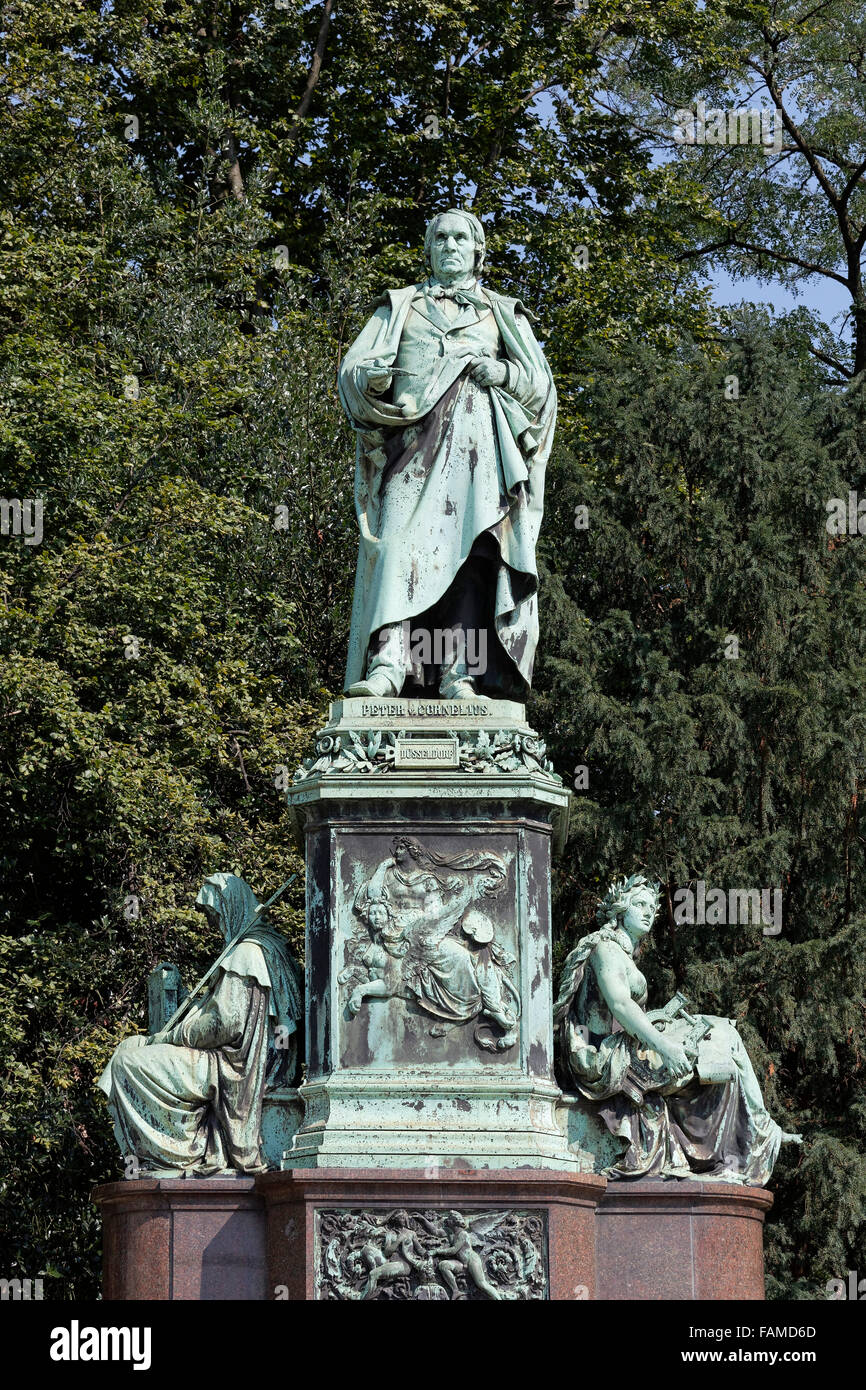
{"x":398,"y":1081}
{"x":344,"y":1234}
{"x":282,"y":1113}
{"x":429,"y":1154}
{"x":672,"y":1239}
{"x":182,"y":1238}
{"x":313,"y":1234}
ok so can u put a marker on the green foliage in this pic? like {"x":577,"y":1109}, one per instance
{"x":793,"y":210}
{"x":707,"y":521}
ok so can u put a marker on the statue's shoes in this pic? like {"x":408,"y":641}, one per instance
{"x":458,"y":690}
{"x":376,"y":686}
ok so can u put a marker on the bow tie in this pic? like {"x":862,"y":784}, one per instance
{"x":465,"y":294}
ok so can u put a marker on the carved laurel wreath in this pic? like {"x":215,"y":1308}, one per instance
{"x":374,"y":752}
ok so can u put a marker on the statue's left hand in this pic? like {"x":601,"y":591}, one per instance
{"x":486,"y":371}
{"x":674,"y":1054}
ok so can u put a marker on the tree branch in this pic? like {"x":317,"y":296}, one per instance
{"x":316,"y":64}
{"x":828,"y":361}
{"x":733,"y":243}
{"x":799,"y":139}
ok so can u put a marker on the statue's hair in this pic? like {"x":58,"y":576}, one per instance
{"x":478,"y":235}
{"x":619,"y":895}
{"x":422,"y":855}
{"x":415,"y":848}
{"x":365,"y":911}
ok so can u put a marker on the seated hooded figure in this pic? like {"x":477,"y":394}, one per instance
{"x":189,"y":1100}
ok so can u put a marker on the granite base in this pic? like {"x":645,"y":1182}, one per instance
{"x":329,"y":1228}
{"x":283,"y":1235}
{"x":667,"y":1239}
{"x":183,"y":1238}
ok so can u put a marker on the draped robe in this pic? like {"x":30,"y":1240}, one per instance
{"x":192,"y":1104}
{"x":718,"y":1130}
{"x":441,"y":461}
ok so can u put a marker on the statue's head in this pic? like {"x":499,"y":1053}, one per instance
{"x":404,"y":847}
{"x":631,"y":903}
{"x":228,"y":902}
{"x":454,"y":246}
{"x":377,"y":914}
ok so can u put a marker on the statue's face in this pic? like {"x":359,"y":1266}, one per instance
{"x":639,"y":914}
{"x":452,"y":253}
{"x":208,"y":912}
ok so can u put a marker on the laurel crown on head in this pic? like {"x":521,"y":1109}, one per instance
{"x":620,"y":893}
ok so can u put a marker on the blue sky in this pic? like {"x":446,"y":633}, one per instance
{"x":824,"y":296}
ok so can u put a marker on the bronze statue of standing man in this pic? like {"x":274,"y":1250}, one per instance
{"x":454,"y":407}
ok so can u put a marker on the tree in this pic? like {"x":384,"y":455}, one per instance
{"x":703,"y":672}
{"x":162,"y":646}
{"x":791,"y":204}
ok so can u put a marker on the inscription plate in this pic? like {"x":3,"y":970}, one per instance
{"x":427,"y":752}
{"x":423,"y":709}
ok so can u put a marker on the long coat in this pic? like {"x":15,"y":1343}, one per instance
{"x":193,"y":1102}
{"x":440,"y":460}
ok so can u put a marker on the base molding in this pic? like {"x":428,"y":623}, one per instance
{"x":360,"y":1120}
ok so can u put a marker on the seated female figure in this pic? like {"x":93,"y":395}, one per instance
{"x":677,"y":1090}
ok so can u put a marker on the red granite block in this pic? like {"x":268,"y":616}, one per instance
{"x":193,"y":1239}
{"x":666,"y":1239}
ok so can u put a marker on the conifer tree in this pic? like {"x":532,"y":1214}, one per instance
{"x":702,"y":679}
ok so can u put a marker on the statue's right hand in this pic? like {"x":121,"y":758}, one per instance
{"x":378,"y":380}
{"x":675,"y":1056}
